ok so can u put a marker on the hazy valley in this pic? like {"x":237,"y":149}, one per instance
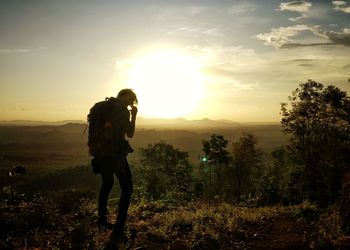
{"x":29,"y":142}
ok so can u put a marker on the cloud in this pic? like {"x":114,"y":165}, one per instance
{"x":341,"y":6}
{"x":295,"y":45}
{"x":278,"y":37}
{"x":303,"y":60}
{"x":342,"y":38}
{"x":298,"y":6}
{"x":4,"y":51}
{"x":282,"y":37}
{"x":305,"y":65}
{"x":219,"y":56}
{"x":213,"y":31}
{"x":242,"y":8}
{"x":7,"y":51}
{"x":295,"y":19}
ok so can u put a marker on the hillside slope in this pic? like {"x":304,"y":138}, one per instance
{"x":64,"y":224}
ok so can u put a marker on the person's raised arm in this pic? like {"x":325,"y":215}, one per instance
{"x":130,"y":130}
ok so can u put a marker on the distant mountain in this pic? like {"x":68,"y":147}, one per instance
{"x":183,"y":123}
{"x":144,"y":123}
{"x":37,"y":123}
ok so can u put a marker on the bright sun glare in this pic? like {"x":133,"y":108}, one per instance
{"x":168,"y":84}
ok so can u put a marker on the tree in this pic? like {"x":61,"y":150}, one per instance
{"x":318,"y":120}
{"x":285,"y":176}
{"x":246,"y":164}
{"x":217,"y":157}
{"x":281,"y":180}
{"x":165,"y":169}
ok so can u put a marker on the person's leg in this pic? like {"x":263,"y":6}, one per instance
{"x":107,"y":184}
{"x":125,"y":181}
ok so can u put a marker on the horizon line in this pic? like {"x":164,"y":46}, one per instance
{"x":143,"y":118}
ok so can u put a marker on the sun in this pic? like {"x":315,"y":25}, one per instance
{"x":168,"y":84}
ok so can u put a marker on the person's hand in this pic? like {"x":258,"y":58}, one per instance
{"x":133,"y":111}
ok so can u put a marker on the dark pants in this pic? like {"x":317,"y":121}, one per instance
{"x":120,"y":167}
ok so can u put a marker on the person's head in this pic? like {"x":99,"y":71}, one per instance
{"x":127,"y":97}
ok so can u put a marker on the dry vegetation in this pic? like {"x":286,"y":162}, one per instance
{"x":67,"y":220}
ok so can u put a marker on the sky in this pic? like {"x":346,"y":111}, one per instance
{"x":235,"y":60}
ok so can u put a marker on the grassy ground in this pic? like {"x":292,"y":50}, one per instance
{"x":68,"y":221}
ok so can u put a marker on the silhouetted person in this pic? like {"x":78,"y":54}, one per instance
{"x":112,"y":159}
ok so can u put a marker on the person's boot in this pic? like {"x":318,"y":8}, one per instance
{"x":117,"y":237}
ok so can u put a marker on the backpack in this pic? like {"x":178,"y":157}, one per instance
{"x":100,"y":131}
